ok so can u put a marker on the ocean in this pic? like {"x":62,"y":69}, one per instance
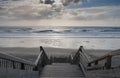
{"x":61,"y":37}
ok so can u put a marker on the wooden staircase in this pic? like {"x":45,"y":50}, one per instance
{"x":61,"y":70}
{"x":73,"y":66}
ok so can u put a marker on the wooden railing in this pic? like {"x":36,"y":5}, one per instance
{"x":106,"y":61}
{"x":42,"y":60}
{"x":81,"y":58}
{"x":12,"y":62}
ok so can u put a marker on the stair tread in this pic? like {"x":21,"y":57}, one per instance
{"x":62,"y":77}
{"x":61,"y":70}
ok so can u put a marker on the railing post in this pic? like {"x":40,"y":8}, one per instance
{"x":89,"y":64}
{"x":41,"y":61}
{"x":96,"y":62}
{"x":0,"y":62}
{"x":51,"y":60}
{"x":6,"y":64}
{"x":22,"y":66}
{"x":108,"y":62}
{"x":41,"y":48}
{"x":80,"y":49}
{"x":13,"y":63}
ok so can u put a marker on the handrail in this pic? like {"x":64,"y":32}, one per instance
{"x":81,"y":53}
{"x":82,"y":59}
{"x":8,"y":56}
{"x":10,"y":61}
{"x":88,"y":58}
{"x":42,"y":60}
{"x":107,"y":58}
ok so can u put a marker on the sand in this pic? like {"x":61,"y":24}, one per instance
{"x":32,"y":53}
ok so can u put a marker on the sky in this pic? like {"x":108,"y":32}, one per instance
{"x":60,"y":13}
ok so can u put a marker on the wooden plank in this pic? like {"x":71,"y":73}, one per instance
{"x":108,"y":62}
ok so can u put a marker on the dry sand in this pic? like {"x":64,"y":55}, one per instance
{"x":32,"y":53}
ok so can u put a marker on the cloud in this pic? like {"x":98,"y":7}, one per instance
{"x":40,"y":13}
{"x":26,"y":12}
{"x":97,"y":13}
{"x":59,"y":11}
{"x":68,"y":2}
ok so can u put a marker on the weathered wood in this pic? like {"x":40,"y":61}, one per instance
{"x":96,"y":62}
{"x":62,"y":70}
{"x":76,"y":58}
{"x":108,"y":62}
{"x":13,"y":64}
{"x":81,"y":58}
{"x":42,"y":60}
{"x":99,"y":59}
{"x":51,"y":60}
{"x":22,"y":66}
{"x":107,"y":58}
{"x":9,"y":61}
{"x":89,"y":64}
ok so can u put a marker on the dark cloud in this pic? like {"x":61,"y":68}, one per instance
{"x":68,"y":2}
{"x":76,"y":1}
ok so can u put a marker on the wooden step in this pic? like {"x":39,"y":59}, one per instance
{"x":61,"y":70}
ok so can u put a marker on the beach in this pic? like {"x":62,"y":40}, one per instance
{"x":106,"y":38}
{"x":32,"y":53}
{"x":25,"y":42}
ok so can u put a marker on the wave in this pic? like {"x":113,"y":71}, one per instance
{"x":13,"y":29}
{"x":77,"y":31}
{"x":43,"y":31}
{"x":111,"y":30}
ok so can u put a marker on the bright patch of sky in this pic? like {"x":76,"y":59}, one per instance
{"x":62,"y":13}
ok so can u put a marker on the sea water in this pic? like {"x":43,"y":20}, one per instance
{"x":61,"y":37}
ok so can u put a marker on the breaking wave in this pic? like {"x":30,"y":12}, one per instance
{"x":69,"y":31}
